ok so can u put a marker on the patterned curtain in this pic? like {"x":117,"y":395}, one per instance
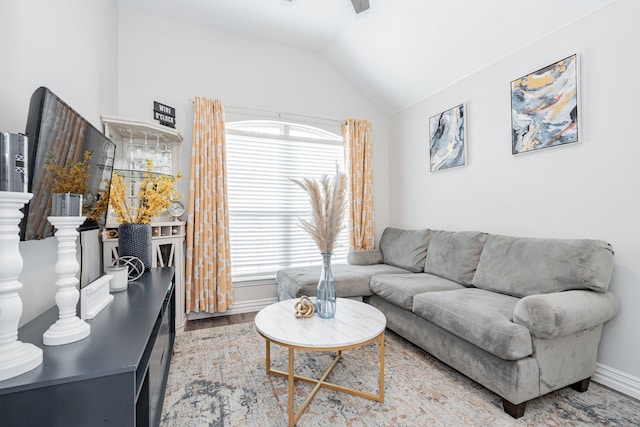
{"x":208,"y":265}
{"x":357,"y":138}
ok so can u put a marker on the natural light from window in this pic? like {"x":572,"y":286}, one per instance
{"x":264,"y":205}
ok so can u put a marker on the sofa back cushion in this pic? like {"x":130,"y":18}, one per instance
{"x":405,"y":248}
{"x":526,"y":266}
{"x":454,"y":255}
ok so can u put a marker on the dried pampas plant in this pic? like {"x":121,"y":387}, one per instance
{"x":328,"y":199}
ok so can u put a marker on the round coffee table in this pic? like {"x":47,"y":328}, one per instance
{"x":355,"y":324}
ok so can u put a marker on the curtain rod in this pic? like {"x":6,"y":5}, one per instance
{"x":268,"y":113}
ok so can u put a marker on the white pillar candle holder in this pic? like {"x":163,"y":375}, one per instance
{"x":69,"y":327}
{"x":15,"y":357}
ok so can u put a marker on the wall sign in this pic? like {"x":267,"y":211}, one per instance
{"x":164,"y":114}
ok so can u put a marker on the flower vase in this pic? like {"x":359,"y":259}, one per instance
{"x":326,"y":291}
{"x":135,"y":240}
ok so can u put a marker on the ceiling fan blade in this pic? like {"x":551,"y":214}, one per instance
{"x":360,"y":5}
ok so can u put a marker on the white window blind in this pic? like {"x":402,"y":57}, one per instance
{"x":264,"y":205}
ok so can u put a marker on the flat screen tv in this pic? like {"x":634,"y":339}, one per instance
{"x":60,"y":136}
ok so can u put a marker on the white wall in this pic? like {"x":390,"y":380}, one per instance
{"x":70,"y":46}
{"x":172,"y":61}
{"x":587,"y":190}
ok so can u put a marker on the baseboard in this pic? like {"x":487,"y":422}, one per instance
{"x":617,"y":380}
{"x":237,"y":308}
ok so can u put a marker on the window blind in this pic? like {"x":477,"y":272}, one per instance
{"x":264,"y":205}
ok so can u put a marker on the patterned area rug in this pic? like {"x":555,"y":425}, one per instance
{"x":218,"y":378}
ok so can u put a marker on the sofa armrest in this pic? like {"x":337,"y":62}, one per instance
{"x":365,"y":257}
{"x":562,"y":313}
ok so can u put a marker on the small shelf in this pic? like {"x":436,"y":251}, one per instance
{"x":137,"y":141}
{"x":133,"y":173}
{"x":167,"y":229}
{"x":119,"y":128}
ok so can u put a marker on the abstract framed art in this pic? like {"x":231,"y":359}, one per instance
{"x":447,"y":145}
{"x":544,"y":107}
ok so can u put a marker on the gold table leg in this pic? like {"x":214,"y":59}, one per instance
{"x":381,"y":351}
{"x":268,"y":361}
{"x":294,"y":415}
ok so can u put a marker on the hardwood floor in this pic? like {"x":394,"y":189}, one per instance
{"x":213,"y":322}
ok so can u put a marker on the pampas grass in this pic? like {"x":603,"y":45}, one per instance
{"x":328,"y":198}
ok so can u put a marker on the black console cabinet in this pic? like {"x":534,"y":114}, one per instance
{"x":114,"y":377}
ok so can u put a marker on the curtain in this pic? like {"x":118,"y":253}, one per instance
{"x":357,"y":138}
{"x":208,"y":264}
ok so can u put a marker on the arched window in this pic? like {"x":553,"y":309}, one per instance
{"x":264,"y":205}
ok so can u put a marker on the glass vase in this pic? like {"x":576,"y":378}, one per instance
{"x":326,"y":291}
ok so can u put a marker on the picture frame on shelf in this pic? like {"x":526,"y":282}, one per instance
{"x":447,"y":139}
{"x":544,"y":107}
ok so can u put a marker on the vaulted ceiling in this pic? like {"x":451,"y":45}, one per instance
{"x":399,"y":51}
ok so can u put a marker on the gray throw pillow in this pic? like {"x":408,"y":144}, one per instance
{"x":405,"y":248}
{"x":455,"y":255}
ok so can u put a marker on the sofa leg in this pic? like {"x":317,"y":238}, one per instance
{"x":581,"y":386}
{"x":516,"y":411}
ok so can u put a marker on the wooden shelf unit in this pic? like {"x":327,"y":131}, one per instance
{"x":168,"y":233}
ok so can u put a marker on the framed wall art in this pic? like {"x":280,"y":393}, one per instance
{"x":447,"y":146}
{"x":544,"y":107}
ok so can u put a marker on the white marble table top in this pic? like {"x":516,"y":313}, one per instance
{"x":354,"y":323}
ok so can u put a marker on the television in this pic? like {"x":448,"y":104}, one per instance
{"x":60,"y":136}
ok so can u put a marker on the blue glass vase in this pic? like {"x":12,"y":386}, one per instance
{"x":326,"y":291}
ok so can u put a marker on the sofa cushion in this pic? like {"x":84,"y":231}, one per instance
{"x":365,"y":257}
{"x":483,"y":318}
{"x":351,"y":280}
{"x":526,"y":266}
{"x":405,"y":248}
{"x":399,"y":289}
{"x":454,"y":255}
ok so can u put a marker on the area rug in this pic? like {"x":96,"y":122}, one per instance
{"x":218,"y":379}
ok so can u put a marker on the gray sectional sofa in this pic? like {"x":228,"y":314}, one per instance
{"x":521,"y":316}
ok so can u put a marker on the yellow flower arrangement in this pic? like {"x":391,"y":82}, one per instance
{"x":156,"y":193}
{"x":73,"y":179}
{"x":70,"y":179}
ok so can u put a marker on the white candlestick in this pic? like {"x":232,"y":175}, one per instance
{"x":15,"y":357}
{"x":69,"y":327}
